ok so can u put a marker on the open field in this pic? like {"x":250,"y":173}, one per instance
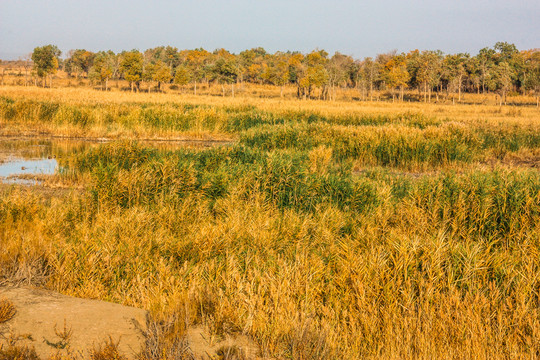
{"x":319,"y":229}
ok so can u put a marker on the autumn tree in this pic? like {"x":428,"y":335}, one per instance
{"x":131,"y":66}
{"x":311,"y":73}
{"x":182,"y":76}
{"x":317,"y":77}
{"x":45,"y":60}
{"x":196,"y":61}
{"x":339,"y":70}
{"x":253,"y":64}
{"x":396,"y":75}
{"x":501,"y":69}
{"x":157,"y":71}
{"x":276,"y":72}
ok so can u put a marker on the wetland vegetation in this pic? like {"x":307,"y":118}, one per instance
{"x":318,"y":229}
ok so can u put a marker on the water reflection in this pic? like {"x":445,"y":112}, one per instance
{"x":21,"y":158}
{"x":31,"y":167}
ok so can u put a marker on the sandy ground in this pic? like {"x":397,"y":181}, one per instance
{"x":43,"y":316}
{"x":53,"y":323}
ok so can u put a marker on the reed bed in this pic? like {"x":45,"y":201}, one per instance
{"x":400,"y":233}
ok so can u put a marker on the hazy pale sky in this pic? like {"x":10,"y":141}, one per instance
{"x":358,"y":28}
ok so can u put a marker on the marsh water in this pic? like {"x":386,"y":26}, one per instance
{"x":25,"y":161}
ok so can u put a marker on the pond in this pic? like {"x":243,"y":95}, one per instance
{"x":25,"y":161}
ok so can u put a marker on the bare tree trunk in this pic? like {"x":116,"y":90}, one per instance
{"x":232,"y":89}
{"x":459,"y":89}
{"x":195,"y":87}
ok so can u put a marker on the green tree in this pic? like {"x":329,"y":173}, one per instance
{"x":429,"y":71}
{"x":370,"y":72}
{"x":532,"y":73}
{"x":159,"y":72}
{"x":277,"y":72}
{"x":455,"y":71}
{"x":46,"y":61}
{"x":79,"y":61}
{"x":225,"y":71}
{"x":501,"y":80}
{"x":102,"y":69}
{"x":485,"y":62}
{"x":505,"y":51}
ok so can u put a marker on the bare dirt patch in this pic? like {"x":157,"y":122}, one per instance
{"x":525,"y":158}
{"x":530,"y":161}
{"x":51,"y":322}
{"x":55,"y":324}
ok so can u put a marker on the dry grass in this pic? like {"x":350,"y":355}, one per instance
{"x":7,"y":310}
{"x":107,"y":351}
{"x":18,"y":353}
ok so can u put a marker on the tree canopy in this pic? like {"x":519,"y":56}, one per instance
{"x":501,"y":69}
{"x":45,"y":59}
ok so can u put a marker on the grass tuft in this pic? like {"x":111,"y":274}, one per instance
{"x":7,"y":310}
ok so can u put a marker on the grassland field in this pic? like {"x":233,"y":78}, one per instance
{"x":320,"y":229}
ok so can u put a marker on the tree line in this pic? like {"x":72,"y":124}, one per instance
{"x":500,"y":70}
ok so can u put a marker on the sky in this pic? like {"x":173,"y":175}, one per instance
{"x":357,"y":28}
